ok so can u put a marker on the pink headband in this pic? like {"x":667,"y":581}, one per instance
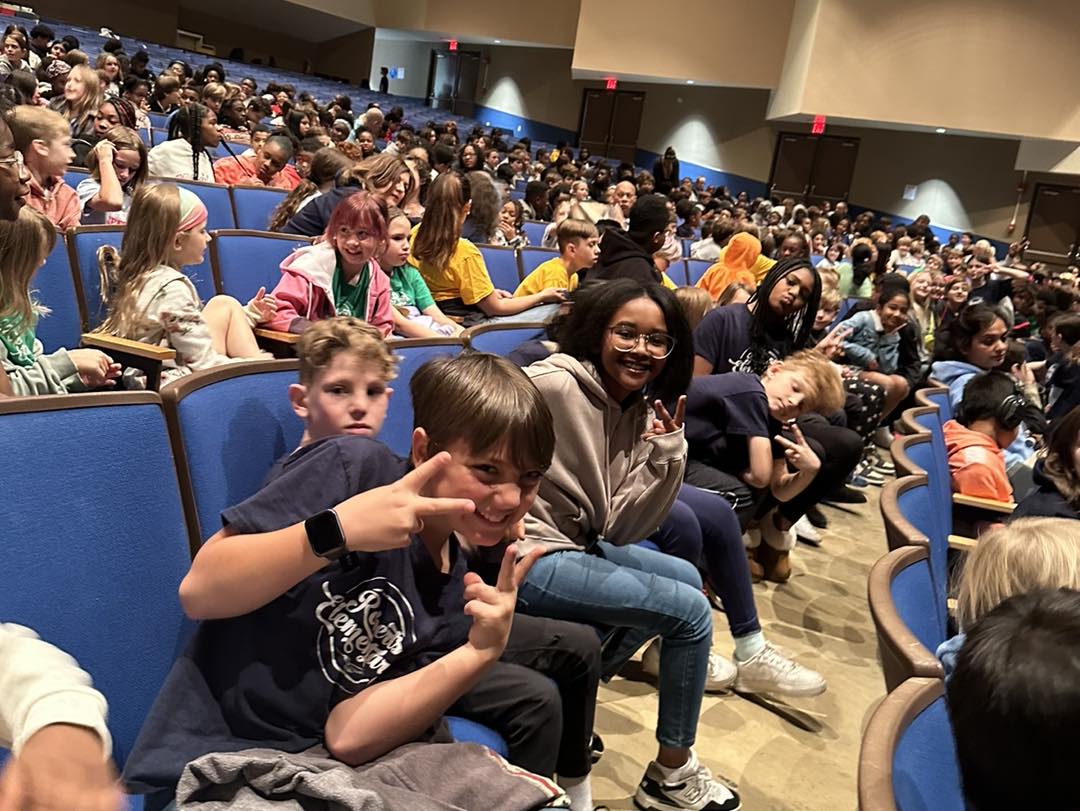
{"x":192,"y":211}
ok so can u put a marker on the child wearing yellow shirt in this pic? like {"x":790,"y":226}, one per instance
{"x":579,"y":246}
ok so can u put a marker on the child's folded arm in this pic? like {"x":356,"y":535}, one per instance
{"x":389,"y":714}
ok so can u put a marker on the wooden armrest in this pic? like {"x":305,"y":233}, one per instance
{"x":962,"y":544}
{"x":1005,"y":507}
{"x":111,"y":343}
{"x":274,"y":335}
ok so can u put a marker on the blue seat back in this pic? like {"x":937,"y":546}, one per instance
{"x":919,"y":508}
{"x":83,"y":244}
{"x":941,"y":400}
{"x":925,"y":772}
{"x":686,"y":243}
{"x":695,"y":269}
{"x":913,"y":597}
{"x":532,"y":257}
{"x":73,"y":177}
{"x":244,"y":261}
{"x":501,"y":340}
{"x":466,"y":731}
{"x":99,"y":577}
{"x":502,"y":266}
{"x":516,"y":195}
{"x":54,"y":286}
{"x":534,"y":230}
{"x":412,"y":354}
{"x":229,"y":426}
{"x":254,"y":206}
{"x":159,"y":120}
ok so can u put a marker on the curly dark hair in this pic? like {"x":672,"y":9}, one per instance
{"x":582,"y":333}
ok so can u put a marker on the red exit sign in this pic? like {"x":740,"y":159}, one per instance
{"x":818,"y":126}
{"x":611,"y":83}
{"x":453,"y":45}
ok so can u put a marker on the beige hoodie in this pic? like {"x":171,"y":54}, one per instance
{"x":605,"y":481}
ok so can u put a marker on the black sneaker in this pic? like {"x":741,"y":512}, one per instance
{"x":696,"y":791}
{"x":816,"y":517}
{"x":845,"y":495}
{"x":596,"y":748}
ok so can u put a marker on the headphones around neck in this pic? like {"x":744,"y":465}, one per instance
{"x":1009,"y":413}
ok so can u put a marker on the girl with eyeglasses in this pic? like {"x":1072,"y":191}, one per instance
{"x":624,"y":350}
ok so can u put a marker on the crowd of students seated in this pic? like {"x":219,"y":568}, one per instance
{"x":711,"y":420}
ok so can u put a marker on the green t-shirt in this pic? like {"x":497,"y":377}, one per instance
{"x":352,"y":299}
{"x":407,"y":289}
{"x":19,"y":346}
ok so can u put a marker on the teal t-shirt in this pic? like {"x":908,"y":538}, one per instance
{"x":352,"y":299}
{"x":407,"y":289}
{"x":19,"y":346}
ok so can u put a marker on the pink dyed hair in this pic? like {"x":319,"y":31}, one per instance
{"x":360,"y":211}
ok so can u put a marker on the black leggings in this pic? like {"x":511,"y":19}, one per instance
{"x":541,"y":695}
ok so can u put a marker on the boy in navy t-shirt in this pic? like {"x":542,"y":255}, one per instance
{"x":359,"y":626}
{"x":733,"y":430}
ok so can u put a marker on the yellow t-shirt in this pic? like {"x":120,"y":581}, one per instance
{"x":465,"y":277}
{"x":551,"y":273}
{"x":666,"y":281}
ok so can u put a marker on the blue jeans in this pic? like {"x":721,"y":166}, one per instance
{"x":643,"y":594}
{"x":702,"y":524}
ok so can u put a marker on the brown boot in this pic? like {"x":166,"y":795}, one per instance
{"x":756,"y":570}
{"x":775,"y":563}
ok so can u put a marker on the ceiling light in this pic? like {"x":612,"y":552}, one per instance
{"x":498,"y":42}
{"x":940,"y":130}
{"x":689,"y":81}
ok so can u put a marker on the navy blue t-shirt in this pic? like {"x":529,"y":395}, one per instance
{"x":722,"y":412}
{"x":723,"y":339}
{"x":1063,"y":381}
{"x":270,"y":678}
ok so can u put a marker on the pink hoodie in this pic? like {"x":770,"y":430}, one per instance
{"x":306,"y":291}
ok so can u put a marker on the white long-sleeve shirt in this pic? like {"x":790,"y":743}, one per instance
{"x":41,"y":685}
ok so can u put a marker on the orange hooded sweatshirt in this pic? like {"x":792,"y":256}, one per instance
{"x":734,"y":265}
{"x":976,"y":464}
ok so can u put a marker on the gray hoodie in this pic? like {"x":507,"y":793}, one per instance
{"x":605,"y":480}
{"x":49,"y":374}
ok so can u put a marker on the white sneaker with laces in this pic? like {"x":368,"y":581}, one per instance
{"x":690,"y":787}
{"x":770,"y":671}
{"x":806,"y":531}
{"x":721,"y":675}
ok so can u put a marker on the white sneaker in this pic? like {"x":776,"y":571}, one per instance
{"x":722,"y":674}
{"x":806,"y":531}
{"x":690,"y":787}
{"x":770,"y":671}
{"x":722,"y":671}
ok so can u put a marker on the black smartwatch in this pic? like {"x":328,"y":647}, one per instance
{"x":324,"y":535}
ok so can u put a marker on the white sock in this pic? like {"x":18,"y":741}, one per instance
{"x":579,"y":790}
{"x":749,"y":646}
{"x":674,"y":774}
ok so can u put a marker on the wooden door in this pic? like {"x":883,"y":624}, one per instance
{"x":595,"y":131}
{"x":625,"y":126}
{"x":834,"y":167}
{"x":793,"y":164}
{"x":1053,"y":228}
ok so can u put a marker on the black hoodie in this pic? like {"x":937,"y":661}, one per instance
{"x":621,"y":258}
{"x":1044,"y":500}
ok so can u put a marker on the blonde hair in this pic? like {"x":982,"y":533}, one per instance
{"x":695,"y":301}
{"x":151,"y":229}
{"x":81,"y":111}
{"x":572,"y":229}
{"x":830,"y":297}
{"x":324,"y":340}
{"x":121,"y":138}
{"x":819,"y":375}
{"x":1028,"y":554}
{"x":24,"y":244}
{"x":29,"y":124}
{"x":214,"y":91}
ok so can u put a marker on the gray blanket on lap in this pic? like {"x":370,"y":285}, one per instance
{"x":414,"y":777}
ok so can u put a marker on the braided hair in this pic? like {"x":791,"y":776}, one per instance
{"x":771,"y":337}
{"x":187,"y":123}
{"x":125,"y":111}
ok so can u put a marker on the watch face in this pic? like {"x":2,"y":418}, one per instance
{"x":324,"y":534}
